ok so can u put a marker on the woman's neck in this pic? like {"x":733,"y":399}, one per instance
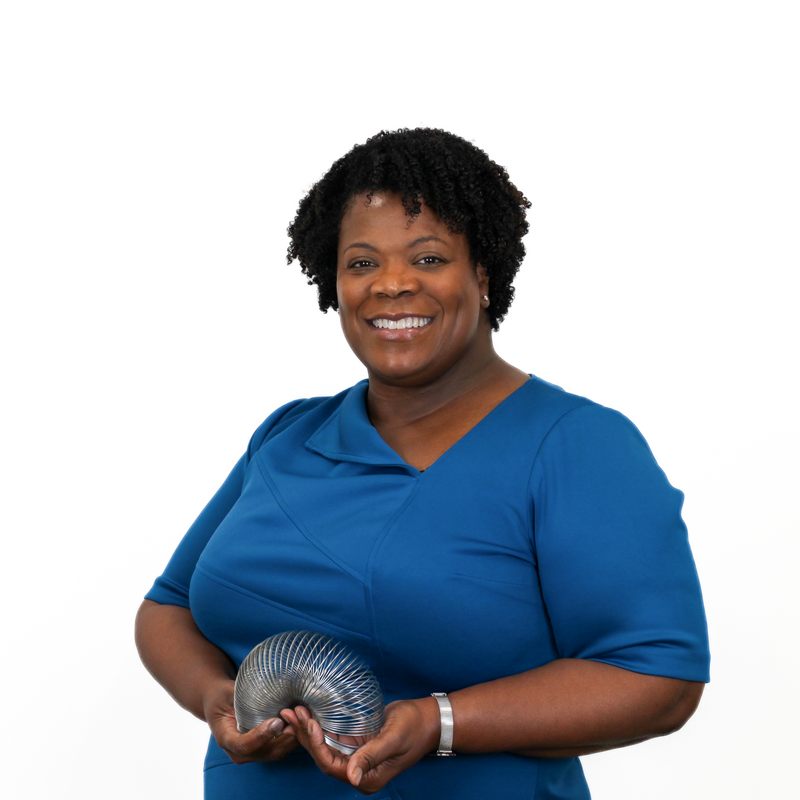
{"x":395,"y":405}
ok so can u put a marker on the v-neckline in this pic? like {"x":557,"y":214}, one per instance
{"x":464,"y":436}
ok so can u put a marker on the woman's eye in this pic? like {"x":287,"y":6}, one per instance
{"x":361,"y":263}
{"x":430,"y":260}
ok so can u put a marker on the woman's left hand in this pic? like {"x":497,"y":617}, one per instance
{"x":410,"y":731}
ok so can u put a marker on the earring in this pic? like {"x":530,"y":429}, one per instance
{"x":485,"y":299}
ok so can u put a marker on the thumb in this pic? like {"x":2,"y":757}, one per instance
{"x":371,"y":756}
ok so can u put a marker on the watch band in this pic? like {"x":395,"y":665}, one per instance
{"x":446,"y":717}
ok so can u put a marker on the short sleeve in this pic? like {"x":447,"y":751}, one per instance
{"x":172,"y":586}
{"x":616,"y":570}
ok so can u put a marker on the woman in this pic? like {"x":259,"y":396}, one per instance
{"x":466,"y":527}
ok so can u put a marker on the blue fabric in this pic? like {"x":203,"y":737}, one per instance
{"x":547,"y":531}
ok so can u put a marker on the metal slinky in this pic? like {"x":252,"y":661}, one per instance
{"x":310,"y":669}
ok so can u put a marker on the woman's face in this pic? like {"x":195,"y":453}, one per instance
{"x":409,"y":296}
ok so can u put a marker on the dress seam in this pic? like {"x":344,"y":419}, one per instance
{"x":369,"y":570}
{"x":172,"y":584}
{"x":538,"y":453}
{"x":250,"y":594}
{"x":531,"y":510}
{"x":307,"y":536}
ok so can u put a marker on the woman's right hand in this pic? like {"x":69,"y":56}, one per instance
{"x":270,"y":741}
{"x":200,"y":677}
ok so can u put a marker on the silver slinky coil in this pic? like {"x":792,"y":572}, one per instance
{"x":313,"y":670}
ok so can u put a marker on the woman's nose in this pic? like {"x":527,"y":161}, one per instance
{"x":395,"y":278}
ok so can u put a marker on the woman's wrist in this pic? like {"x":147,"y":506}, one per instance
{"x":217,"y":692}
{"x":446,"y":726}
{"x":430,"y":727}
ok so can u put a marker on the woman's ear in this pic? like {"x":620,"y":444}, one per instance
{"x":483,"y":279}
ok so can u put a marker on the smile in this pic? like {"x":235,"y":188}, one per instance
{"x":400,"y":324}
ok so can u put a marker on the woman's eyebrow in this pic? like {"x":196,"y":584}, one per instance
{"x":423,"y":239}
{"x":420,"y":240}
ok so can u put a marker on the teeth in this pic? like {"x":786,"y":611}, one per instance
{"x":399,"y":324}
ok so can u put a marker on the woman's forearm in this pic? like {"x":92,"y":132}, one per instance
{"x":178,"y":656}
{"x":569,"y":707}
{"x":566,"y":708}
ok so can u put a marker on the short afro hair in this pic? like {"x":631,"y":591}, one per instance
{"x":457,"y":180}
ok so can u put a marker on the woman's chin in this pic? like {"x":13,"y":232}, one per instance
{"x":405,"y":373}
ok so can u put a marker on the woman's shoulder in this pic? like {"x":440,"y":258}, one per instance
{"x":546,"y":402}
{"x":573,"y":430}
{"x":555,"y":410}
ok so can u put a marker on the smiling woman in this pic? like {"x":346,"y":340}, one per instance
{"x":393,"y":292}
{"x":507,"y":557}
{"x":393,"y":269}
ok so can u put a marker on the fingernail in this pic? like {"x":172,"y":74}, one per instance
{"x":276,"y":726}
{"x":357,"y":775}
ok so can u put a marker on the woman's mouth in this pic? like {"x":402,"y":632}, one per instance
{"x":400,"y":324}
{"x":399,"y":329}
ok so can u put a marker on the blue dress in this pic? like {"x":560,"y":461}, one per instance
{"x":547,"y":531}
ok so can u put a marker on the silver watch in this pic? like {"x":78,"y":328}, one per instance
{"x":446,"y":717}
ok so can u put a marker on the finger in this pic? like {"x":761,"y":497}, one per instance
{"x":309,"y":726}
{"x":370,"y":759}
{"x":289,"y":717}
{"x":245,"y":744}
{"x":316,"y":734}
{"x":329,"y":760}
{"x":268,"y":729}
{"x":278,"y":747}
{"x":225,"y":730}
{"x":311,"y":736}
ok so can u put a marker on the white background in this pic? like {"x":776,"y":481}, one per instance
{"x":153,"y":154}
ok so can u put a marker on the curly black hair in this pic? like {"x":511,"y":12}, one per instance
{"x":457,"y":180}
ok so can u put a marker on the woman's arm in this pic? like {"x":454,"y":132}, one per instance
{"x":568,"y":707}
{"x":200,"y":677}
{"x":179,"y":657}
